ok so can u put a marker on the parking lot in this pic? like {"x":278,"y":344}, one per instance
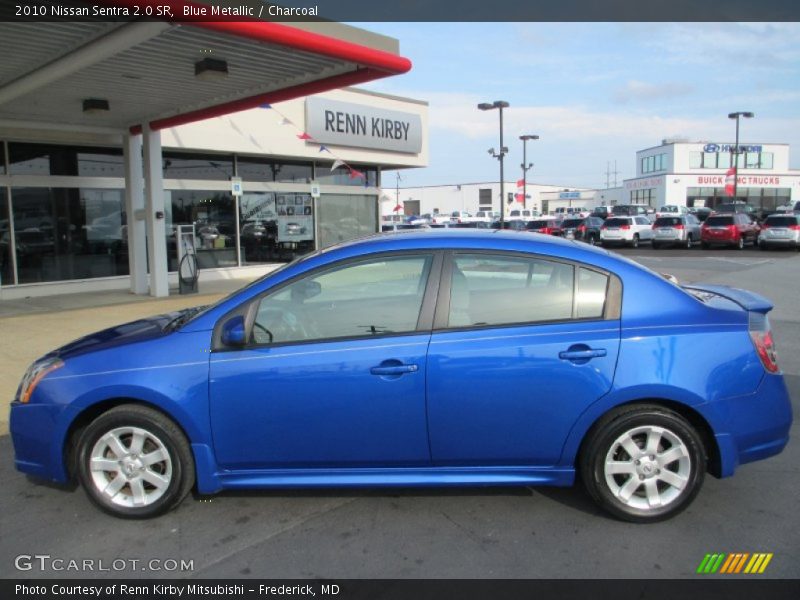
{"x":470,"y":532}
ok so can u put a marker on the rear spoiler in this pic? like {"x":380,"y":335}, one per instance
{"x":747,"y":300}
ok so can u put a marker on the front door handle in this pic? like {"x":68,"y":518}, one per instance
{"x":393,"y":369}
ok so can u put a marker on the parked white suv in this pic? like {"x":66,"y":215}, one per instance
{"x":626,"y":231}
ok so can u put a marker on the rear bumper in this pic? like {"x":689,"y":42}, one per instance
{"x":752,"y":427}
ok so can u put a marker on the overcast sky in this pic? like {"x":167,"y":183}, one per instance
{"x":594,"y":92}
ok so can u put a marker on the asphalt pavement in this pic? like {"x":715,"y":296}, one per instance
{"x":453,"y":533}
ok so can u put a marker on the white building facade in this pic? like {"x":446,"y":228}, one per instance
{"x":469,"y":197}
{"x":693,"y":174}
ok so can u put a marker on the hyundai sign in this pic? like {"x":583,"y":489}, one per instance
{"x":711,"y":148}
{"x":359,"y":126}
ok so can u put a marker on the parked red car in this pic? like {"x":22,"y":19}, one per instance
{"x":547,"y":226}
{"x":731,"y":229}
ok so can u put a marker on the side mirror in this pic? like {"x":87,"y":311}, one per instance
{"x":233,"y":333}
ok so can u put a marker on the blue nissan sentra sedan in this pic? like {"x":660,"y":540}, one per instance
{"x":452,"y":357}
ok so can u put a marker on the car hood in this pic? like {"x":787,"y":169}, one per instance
{"x":121,"y":335}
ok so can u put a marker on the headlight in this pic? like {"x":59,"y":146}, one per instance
{"x":35,"y":374}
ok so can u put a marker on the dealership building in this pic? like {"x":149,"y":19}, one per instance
{"x":693,"y":174}
{"x":116,"y":138}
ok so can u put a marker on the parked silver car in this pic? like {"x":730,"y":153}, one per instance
{"x":780,"y":230}
{"x":677,"y":230}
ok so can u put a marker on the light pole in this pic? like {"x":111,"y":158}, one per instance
{"x":525,"y":167}
{"x":735,"y":153}
{"x":500,"y":105}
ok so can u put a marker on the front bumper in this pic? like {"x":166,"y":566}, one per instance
{"x":34,"y":433}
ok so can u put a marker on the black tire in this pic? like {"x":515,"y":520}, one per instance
{"x":635,"y":241}
{"x":740,"y":244}
{"x":592,"y":239}
{"x":689,"y":241}
{"x":602,"y":442}
{"x":656,"y":246}
{"x":178,"y":469}
{"x":762,"y":246}
{"x":704,"y":245}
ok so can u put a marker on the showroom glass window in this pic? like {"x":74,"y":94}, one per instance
{"x":491,"y":290}
{"x":69,"y":233}
{"x":262,"y":169}
{"x":51,"y":159}
{"x":342,"y":176}
{"x":378,"y":296}
{"x":345,"y":217}
{"x":214,"y":217}
{"x":2,"y":158}
{"x":6,"y":268}
{"x":208,"y":167}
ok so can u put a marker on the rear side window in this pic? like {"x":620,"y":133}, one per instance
{"x":617,"y":222}
{"x":667,"y":221}
{"x":488,"y":290}
{"x":719,"y":221}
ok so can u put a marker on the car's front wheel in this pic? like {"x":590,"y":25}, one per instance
{"x":643,"y":463}
{"x":135,"y":462}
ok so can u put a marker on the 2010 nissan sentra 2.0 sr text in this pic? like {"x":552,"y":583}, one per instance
{"x":429,"y":358}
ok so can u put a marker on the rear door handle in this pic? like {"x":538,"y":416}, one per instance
{"x":582,"y":354}
{"x":393,"y":369}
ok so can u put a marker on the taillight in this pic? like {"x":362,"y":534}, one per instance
{"x":793,"y":227}
{"x":625,"y":227}
{"x":678,"y":226}
{"x":761,"y":334}
{"x":582,"y":228}
{"x":603,"y":227}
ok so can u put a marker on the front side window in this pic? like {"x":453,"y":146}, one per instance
{"x":487,"y":290}
{"x":374,"y":297}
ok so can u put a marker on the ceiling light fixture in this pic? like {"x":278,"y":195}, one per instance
{"x":95,"y":106}
{"x":211,"y":69}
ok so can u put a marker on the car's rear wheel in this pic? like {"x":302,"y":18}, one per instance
{"x":635,"y":241}
{"x":643,"y":463}
{"x":134,"y":462}
{"x":704,"y":245}
{"x":656,"y":246}
{"x":689,"y":241}
{"x":763,"y":246}
{"x":740,"y":243}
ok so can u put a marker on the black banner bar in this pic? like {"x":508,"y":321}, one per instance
{"x":731,"y":588}
{"x":355,"y":11}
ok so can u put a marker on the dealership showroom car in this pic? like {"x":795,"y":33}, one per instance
{"x":419,"y":358}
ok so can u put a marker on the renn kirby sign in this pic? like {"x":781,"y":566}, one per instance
{"x":347,"y":124}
